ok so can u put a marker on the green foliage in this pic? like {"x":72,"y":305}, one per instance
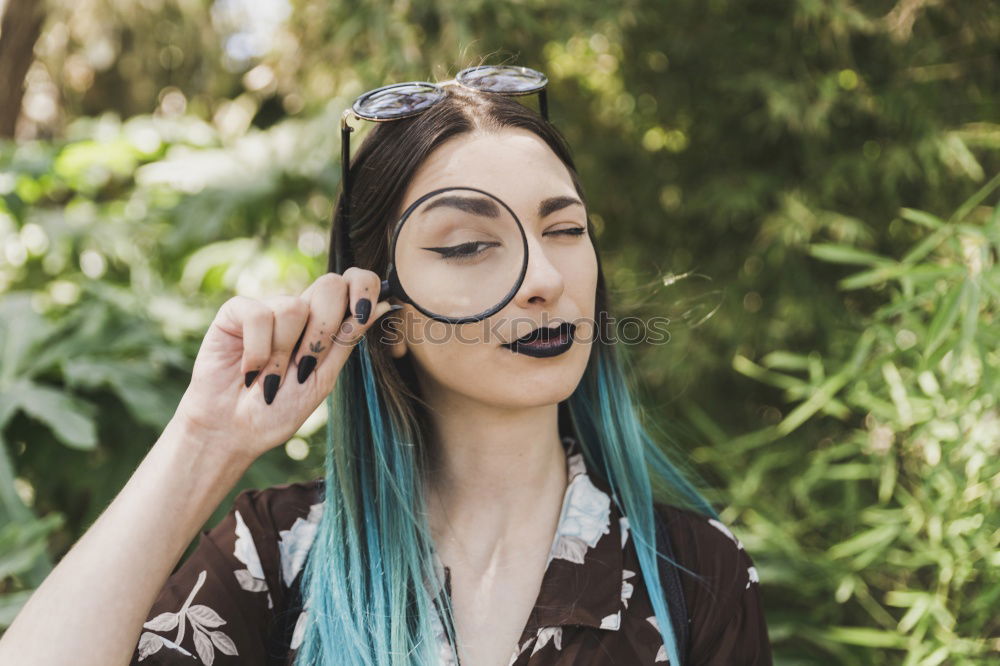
{"x":113,"y":271}
{"x":892,"y":514}
{"x":801,"y":187}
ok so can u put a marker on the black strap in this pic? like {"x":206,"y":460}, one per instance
{"x":672,"y":587}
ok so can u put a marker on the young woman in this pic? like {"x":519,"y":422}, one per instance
{"x":489,"y":489}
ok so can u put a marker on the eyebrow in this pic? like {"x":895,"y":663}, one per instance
{"x":474,"y":205}
{"x":552,"y":204}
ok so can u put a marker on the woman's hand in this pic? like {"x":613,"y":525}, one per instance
{"x":248,"y":391}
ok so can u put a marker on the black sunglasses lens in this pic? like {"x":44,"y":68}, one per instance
{"x":508,"y":79}
{"x":397,"y":101}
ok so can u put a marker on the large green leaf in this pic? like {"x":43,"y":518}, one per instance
{"x":134,"y":382}
{"x":21,"y":328}
{"x":71,"y":419}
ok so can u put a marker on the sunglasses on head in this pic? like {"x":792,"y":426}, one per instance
{"x":404,"y":100}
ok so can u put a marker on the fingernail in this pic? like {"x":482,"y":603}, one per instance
{"x":271,"y":387}
{"x":252,"y":375}
{"x":306,"y":365}
{"x":363,"y":309}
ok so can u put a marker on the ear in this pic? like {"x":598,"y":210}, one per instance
{"x":398,"y":349}
{"x":393,"y":336}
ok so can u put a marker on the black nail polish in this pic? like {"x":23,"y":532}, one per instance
{"x":271,"y":387}
{"x":363,"y":309}
{"x":252,"y":375}
{"x":306,"y":365}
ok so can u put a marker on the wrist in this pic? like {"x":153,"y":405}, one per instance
{"x":209,"y":448}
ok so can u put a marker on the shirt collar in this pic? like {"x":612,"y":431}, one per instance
{"x":582,"y":583}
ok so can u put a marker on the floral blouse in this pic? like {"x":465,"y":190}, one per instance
{"x":235,"y":599}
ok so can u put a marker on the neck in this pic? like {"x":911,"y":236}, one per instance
{"x":497,"y":480}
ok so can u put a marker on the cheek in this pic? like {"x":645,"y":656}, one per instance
{"x":580,"y":273}
{"x":579,"y":269}
{"x":447,"y":353}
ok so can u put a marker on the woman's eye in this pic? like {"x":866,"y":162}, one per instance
{"x":463,"y":250}
{"x":571,"y":231}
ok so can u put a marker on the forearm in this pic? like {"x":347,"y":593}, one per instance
{"x":91,"y":607}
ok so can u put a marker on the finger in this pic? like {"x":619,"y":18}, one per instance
{"x":257,"y":330}
{"x":364,"y":288}
{"x":347,"y":336}
{"x":290,"y":316}
{"x":341,"y":340}
{"x":351,"y":331}
{"x":328,"y":298}
{"x":251,"y":321}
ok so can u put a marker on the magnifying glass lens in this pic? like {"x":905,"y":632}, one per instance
{"x":459,"y":253}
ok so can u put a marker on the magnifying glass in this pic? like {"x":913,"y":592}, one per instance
{"x":457,"y":255}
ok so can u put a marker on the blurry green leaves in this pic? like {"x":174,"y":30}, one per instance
{"x":847,"y":254}
{"x":71,"y":419}
{"x":116,"y":247}
{"x":91,"y":348}
{"x":21,"y":546}
{"x":819,"y":392}
{"x":23,"y":333}
{"x":912,"y":480}
{"x":88,"y":166}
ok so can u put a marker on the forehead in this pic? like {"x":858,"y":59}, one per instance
{"x":515,"y":165}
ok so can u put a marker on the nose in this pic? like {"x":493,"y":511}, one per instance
{"x":543,"y":281}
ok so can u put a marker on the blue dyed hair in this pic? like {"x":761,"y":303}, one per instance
{"x":364,"y":579}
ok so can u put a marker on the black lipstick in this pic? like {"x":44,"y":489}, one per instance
{"x":544,"y":342}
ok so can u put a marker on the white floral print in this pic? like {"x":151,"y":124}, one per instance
{"x":300,"y":628}
{"x":725,"y":530}
{"x":150,"y":643}
{"x":661,"y":654}
{"x":245,"y":550}
{"x":519,"y":650}
{"x":626,"y":586}
{"x":293,"y":547}
{"x":250,"y":579}
{"x":294,"y":543}
{"x":612,"y":621}
{"x":545,"y":635}
{"x":202,"y":619}
{"x":586,"y":516}
{"x":751,"y":571}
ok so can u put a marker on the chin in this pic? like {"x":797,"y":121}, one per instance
{"x":531,"y":382}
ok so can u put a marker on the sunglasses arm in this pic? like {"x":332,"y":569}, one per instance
{"x":344,"y":256}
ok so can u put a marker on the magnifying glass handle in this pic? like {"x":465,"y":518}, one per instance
{"x":384,"y":292}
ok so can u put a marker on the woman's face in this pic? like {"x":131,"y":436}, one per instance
{"x":459,"y":363}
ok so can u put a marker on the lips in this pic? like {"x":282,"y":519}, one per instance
{"x":544,"y":333}
{"x":544,"y":341}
